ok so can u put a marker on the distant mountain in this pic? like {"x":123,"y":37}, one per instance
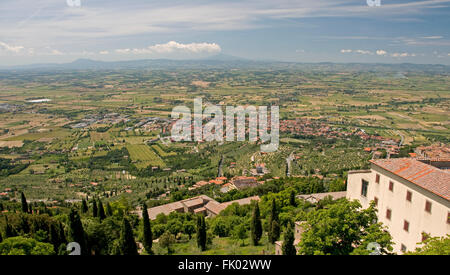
{"x":225,"y":57}
{"x":223,"y":61}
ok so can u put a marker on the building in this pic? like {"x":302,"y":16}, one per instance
{"x":243,"y":182}
{"x":298,"y":231}
{"x":411,"y":197}
{"x":316,"y":197}
{"x":198,"y":205}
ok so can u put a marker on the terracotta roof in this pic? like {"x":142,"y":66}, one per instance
{"x":194,"y":202}
{"x":214,"y":207}
{"x":201,"y":209}
{"x":426,"y":176}
{"x":242,"y":201}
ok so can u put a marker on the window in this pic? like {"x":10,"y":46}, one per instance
{"x":428,"y":206}
{"x":388,"y":214}
{"x":364,"y":186}
{"x":448,"y":218}
{"x":406,"y":225}
{"x":377,"y":178}
{"x":391,"y":186}
{"x":403,"y":248}
{"x":375,"y":199}
{"x":408,"y":195}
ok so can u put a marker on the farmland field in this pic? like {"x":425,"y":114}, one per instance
{"x":144,"y":155}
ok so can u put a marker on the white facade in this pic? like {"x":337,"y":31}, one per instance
{"x":408,"y":204}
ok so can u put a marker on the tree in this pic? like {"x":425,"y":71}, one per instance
{"x":127,"y":243}
{"x":256,"y":227}
{"x":109,"y":211}
{"x":101,"y":211}
{"x":275,"y":231}
{"x":25,"y":246}
{"x":288,"y":247}
{"x":189,"y":228}
{"x":240,"y":233}
{"x":273,"y":223}
{"x":292,"y":201}
{"x":76,"y":231}
{"x":24,"y":203}
{"x":433,"y":246}
{"x":147,"y":230}
{"x":84,"y":206}
{"x":94,"y":208}
{"x":166,"y":240}
{"x":343,"y":228}
{"x":9,"y":230}
{"x":201,"y":232}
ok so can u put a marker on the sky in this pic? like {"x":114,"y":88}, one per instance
{"x":390,"y":31}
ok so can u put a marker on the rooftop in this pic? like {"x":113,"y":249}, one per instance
{"x":426,"y":176}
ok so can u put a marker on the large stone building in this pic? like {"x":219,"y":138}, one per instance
{"x":198,"y":205}
{"x":412,"y":198}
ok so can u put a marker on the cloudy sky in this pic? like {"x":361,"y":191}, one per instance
{"x":36,"y":31}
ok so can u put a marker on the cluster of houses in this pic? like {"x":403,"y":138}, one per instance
{"x":435,"y":153}
{"x":308,"y":127}
{"x":391,"y":147}
{"x":109,"y":118}
{"x":149,"y":124}
{"x":239,"y":183}
{"x":6,"y":192}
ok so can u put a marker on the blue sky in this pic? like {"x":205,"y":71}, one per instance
{"x":36,"y":31}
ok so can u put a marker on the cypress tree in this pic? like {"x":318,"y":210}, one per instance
{"x":24,"y":203}
{"x":274,"y":230}
{"x":1,"y":239}
{"x":147,"y":230}
{"x":9,"y":230}
{"x":76,"y":231}
{"x":84,"y":207}
{"x":94,"y":208}
{"x":62,"y":235}
{"x":292,"y":199}
{"x":54,"y":236}
{"x":108,"y":209}
{"x":101,"y":211}
{"x":127,"y":243}
{"x":201,"y":232}
{"x":288,"y":247}
{"x":256,"y":227}
{"x":23,"y":225}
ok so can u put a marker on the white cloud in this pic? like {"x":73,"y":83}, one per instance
{"x":174,"y":47}
{"x":9,"y":48}
{"x":363,"y":52}
{"x":432,"y":37}
{"x":104,"y":52}
{"x":400,"y":54}
{"x":380,"y":52}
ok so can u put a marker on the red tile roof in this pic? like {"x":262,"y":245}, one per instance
{"x":426,"y":176}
